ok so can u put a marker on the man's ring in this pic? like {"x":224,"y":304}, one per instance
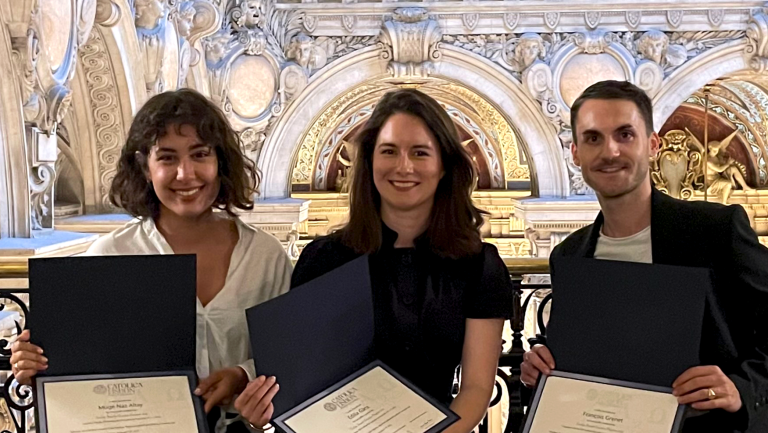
{"x":711,"y":394}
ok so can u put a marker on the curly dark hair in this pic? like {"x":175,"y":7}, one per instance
{"x":238,"y":174}
{"x":454,"y":227}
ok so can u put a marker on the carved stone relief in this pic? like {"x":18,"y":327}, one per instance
{"x":757,"y":38}
{"x":410,"y":42}
{"x":151,"y":21}
{"x":552,"y":66}
{"x":45,"y":37}
{"x":193,"y":20}
{"x":108,"y":127}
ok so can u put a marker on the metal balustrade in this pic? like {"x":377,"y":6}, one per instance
{"x":16,"y":414}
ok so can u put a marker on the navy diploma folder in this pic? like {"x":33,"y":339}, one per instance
{"x":626,"y":321}
{"x":114,"y":314}
{"x":315,"y":335}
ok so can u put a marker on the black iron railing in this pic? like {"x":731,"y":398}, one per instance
{"x":20,"y":399}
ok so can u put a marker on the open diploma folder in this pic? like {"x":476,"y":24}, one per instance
{"x":620,"y":333}
{"x":119,"y":332}
{"x":317,"y":340}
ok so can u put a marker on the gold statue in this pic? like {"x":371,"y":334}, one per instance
{"x":723,"y":174}
{"x":344,"y":176}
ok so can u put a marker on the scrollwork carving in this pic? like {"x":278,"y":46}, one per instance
{"x":41,"y":196}
{"x":649,"y":76}
{"x":25,"y":54}
{"x":596,"y":42}
{"x":538,"y":82}
{"x":58,"y":100}
{"x":293,"y":80}
{"x":104,"y":101}
{"x":253,"y":141}
{"x":410,"y":40}
{"x":676,"y":166}
{"x":513,"y":167}
{"x":108,"y":13}
{"x":302,"y":172}
{"x":757,"y":46}
{"x":254,"y":42}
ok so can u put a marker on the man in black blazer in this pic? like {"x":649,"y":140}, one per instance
{"x":613,"y":141}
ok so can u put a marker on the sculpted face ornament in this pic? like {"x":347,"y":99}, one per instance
{"x":301,"y":49}
{"x":217,"y":47}
{"x":529,"y":49}
{"x":186,"y":19}
{"x":251,"y":16}
{"x":149,"y":13}
{"x":653,"y":45}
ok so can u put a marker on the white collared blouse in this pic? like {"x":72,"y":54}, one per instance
{"x":259,"y":270}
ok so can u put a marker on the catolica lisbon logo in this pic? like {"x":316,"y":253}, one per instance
{"x":118,"y":389}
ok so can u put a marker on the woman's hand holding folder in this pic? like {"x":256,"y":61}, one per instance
{"x":27,"y":359}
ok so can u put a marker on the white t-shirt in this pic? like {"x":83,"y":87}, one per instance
{"x":259,"y":270}
{"x":636,"y":248}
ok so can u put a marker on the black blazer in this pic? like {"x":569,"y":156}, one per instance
{"x":735,"y":330}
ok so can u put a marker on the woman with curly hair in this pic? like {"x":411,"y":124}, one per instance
{"x":182,"y":174}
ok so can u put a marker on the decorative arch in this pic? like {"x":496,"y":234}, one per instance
{"x":307,"y":116}
{"x":695,"y":74}
{"x":494,"y":137}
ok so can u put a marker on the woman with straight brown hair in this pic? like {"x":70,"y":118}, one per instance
{"x":441,"y":295}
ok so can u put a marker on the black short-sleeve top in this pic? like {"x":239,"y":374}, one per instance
{"x":421,"y":302}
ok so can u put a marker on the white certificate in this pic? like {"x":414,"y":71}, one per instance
{"x":159,"y":404}
{"x":375,"y":401}
{"x":567,"y":404}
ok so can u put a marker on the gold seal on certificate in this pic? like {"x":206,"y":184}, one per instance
{"x":151,"y":403}
{"x":567,"y":403}
{"x":374,"y":399}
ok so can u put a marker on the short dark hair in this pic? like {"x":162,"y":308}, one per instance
{"x":454,"y":227}
{"x":612,"y":89}
{"x":238,"y":174}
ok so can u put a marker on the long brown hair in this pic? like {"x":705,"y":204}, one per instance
{"x":238,"y":174}
{"x":454,"y":225}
